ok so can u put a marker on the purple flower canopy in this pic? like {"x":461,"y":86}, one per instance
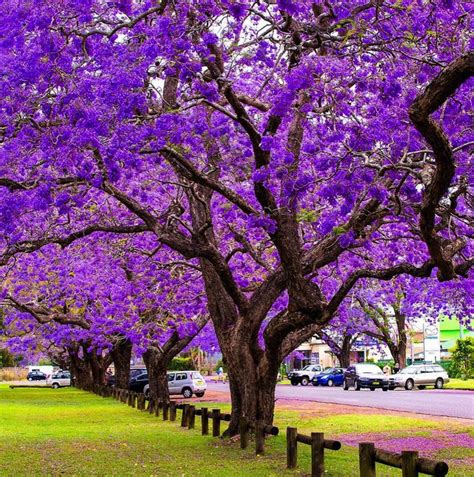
{"x":263,"y":165}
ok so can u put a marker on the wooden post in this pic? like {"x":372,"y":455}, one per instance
{"x":204,"y":421}
{"x":291,"y":447}
{"x":191,"y":417}
{"x":259,"y":438}
{"x":409,"y":462}
{"x":317,"y":454}
{"x":151,"y":405}
{"x":172,"y":411}
{"x":184,"y":416}
{"x":244,"y":432}
{"x":367,"y":459}
{"x":165,"y":410}
{"x":216,"y":422}
{"x":133,"y":399}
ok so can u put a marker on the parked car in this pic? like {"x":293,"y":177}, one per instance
{"x":110,"y":378}
{"x":138,"y":382}
{"x":36,"y":375}
{"x":186,"y":383}
{"x":59,"y":380}
{"x":420,"y":375}
{"x":365,"y":375}
{"x":329,"y":377}
{"x":305,"y":375}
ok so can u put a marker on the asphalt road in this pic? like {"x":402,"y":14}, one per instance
{"x":444,"y":402}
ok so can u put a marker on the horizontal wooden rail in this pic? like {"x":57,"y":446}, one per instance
{"x":317,"y":443}
{"x":408,"y":461}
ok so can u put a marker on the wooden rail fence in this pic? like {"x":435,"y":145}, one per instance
{"x":408,"y":461}
{"x":317,"y":443}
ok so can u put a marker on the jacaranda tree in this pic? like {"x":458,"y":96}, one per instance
{"x":286,"y":149}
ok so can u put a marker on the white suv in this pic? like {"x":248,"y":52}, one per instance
{"x":186,"y":383}
{"x":305,"y":375}
{"x":59,"y":379}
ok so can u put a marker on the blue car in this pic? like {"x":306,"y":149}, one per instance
{"x":329,"y":377}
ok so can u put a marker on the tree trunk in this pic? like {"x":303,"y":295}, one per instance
{"x":81,"y":372}
{"x":121,"y":356}
{"x":157,"y":365}
{"x":253,"y":378}
{"x":344,"y":356}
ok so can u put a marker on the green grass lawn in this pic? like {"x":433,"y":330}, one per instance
{"x":70,"y":432}
{"x":460,"y":384}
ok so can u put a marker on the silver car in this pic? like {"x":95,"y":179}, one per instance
{"x":186,"y":383}
{"x":420,"y":375}
{"x":59,"y":379}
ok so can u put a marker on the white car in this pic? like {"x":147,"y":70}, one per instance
{"x":305,"y":375}
{"x":59,"y":380}
{"x":420,"y":375}
{"x":186,"y":383}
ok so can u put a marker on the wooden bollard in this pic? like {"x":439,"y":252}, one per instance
{"x":151,"y":405}
{"x":172,"y":411}
{"x":291,"y":447}
{"x":367,"y":459}
{"x":166,"y":408}
{"x":216,"y":422}
{"x":204,"y":421}
{"x":317,"y":454}
{"x":159,"y":405}
{"x":191,"y":417}
{"x":244,"y":432}
{"x":184,"y":416}
{"x":133,"y":399}
{"x":409,"y":464}
{"x":259,"y":438}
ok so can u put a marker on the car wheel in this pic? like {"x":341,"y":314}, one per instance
{"x":330,"y":383}
{"x":384,"y":389}
{"x":421,"y":387}
{"x":372,"y":389}
{"x":55,"y":386}
{"x":391,"y":388}
{"x":409,"y":384}
{"x":187,"y":393}
{"x":357,"y":385}
{"x":345,"y":386}
{"x":314,"y":383}
{"x":294,"y":382}
{"x":199,"y":395}
{"x":304,"y":381}
{"x":439,"y":383}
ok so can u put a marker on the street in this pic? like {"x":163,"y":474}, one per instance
{"x":449,"y":403}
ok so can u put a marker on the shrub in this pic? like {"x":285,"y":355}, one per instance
{"x":13,"y":374}
{"x":181,"y":364}
{"x":463,"y":358}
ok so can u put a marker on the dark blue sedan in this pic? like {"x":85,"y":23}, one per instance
{"x":329,"y":377}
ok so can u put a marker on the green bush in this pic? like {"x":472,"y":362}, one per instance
{"x":181,"y":364}
{"x":463,"y":358}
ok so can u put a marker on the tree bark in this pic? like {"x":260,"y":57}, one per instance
{"x":121,"y":355}
{"x":157,"y":364}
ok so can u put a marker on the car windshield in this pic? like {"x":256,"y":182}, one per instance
{"x":369,"y":368}
{"x":328,"y":371}
{"x":310,"y":368}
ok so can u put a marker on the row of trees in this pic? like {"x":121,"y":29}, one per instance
{"x":262,"y":165}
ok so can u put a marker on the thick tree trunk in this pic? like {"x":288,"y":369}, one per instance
{"x":157,"y":365}
{"x":81,"y":372}
{"x":344,"y":356}
{"x":121,"y":356}
{"x":253,"y":378}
